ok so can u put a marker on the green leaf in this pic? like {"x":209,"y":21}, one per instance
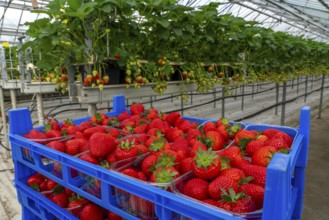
{"x":164,"y":23}
{"x":178,"y":32}
{"x":74,"y":4}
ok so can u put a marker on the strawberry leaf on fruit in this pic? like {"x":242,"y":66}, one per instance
{"x":243,"y":143}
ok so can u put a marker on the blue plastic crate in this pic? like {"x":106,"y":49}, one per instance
{"x":283,"y":192}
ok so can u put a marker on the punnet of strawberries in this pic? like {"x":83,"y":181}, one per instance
{"x":72,"y":202}
{"x":215,"y":162}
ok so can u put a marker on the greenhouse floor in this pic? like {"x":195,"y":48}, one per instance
{"x":317,"y":178}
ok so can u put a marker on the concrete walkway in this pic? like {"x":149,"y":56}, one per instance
{"x":316,"y":197}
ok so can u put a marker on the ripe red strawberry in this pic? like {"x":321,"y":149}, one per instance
{"x":196,"y":188}
{"x":164,"y":175}
{"x":57,"y":145}
{"x":53,"y":134}
{"x":35,"y":181}
{"x":89,"y":158}
{"x":91,"y":211}
{"x":219,"y":184}
{"x":263,"y":156}
{"x":75,"y":205}
{"x":80,"y":135}
{"x":196,"y":146}
{"x":125,"y":150}
{"x":192,"y":134}
{"x":243,"y":205}
{"x":283,"y":136}
{"x":211,"y":202}
{"x":239,"y":162}
{"x":158,"y":146}
{"x":90,"y":131}
{"x":101,"y":145}
{"x":206,"y":164}
{"x":111,"y":158}
{"x":223,"y":132}
{"x":262,"y":138}
{"x":71,"y":130}
{"x":186,"y":126}
{"x":84,"y":125}
{"x":137,"y":109}
{"x":209,"y":126}
{"x":173,"y":133}
{"x":255,"y":192}
{"x":277,"y":143}
{"x":222,"y":122}
{"x":36,"y":135}
{"x":142,"y":138}
{"x":51,"y":184}
{"x":158,"y":124}
{"x":61,"y":200}
{"x":43,"y":186}
{"x":253,"y":146}
{"x":180,"y":144}
{"x":52,"y":125}
{"x":270,"y":132}
{"x":113,"y":216}
{"x":185,"y":165}
{"x":172,"y":117}
{"x":178,"y":122}
{"x":148,"y":164}
{"x":114,"y":132}
{"x":72,"y":147}
{"x":230,"y":152}
{"x":124,"y":116}
{"x":142,"y":149}
{"x":111,"y":121}
{"x":140,"y":129}
{"x":213,"y":140}
{"x":246,"y":135}
{"x":67,"y":123}
{"x":130,"y":172}
{"x":258,"y":172}
{"x":234,"y":173}
{"x":98,"y":118}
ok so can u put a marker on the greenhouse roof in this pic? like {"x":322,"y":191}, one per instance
{"x":298,"y":17}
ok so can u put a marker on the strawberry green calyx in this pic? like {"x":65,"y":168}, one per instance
{"x":64,"y":132}
{"x":205,"y":158}
{"x":105,"y":164}
{"x":113,"y":121}
{"x":35,"y":187}
{"x":234,"y":129}
{"x":232,"y":196}
{"x":246,"y":180}
{"x":164,"y":175}
{"x":284,"y":150}
{"x":126,"y":144}
{"x":165,"y":160}
{"x":207,"y":141}
{"x":69,"y":121}
{"x":98,"y":117}
{"x":225,"y":163}
{"x":48,"y":127}
{"x":243,"y":143}
{"x":157,"y":145}
{"x":225,"y":121}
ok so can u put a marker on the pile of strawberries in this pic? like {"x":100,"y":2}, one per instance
{"x":234,"y":179}
{"x":69,"y":200}
{"x":231,"y":178}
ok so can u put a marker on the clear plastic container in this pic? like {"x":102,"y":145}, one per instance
{"x":177,"y":188}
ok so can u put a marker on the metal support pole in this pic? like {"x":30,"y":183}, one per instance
{"x":321,"y":96}
{"x":306,"y":82}
{"x":214,"y":93}
{"x":312,"y":83}
{"x":283,"y":110}
{"x":292,"y":84}
{"x":252,"y":91}
{"x":242,"y":98}
{"x":151,"y":101}
{"x":277,"y":87}
{"x":127,"y":101}
{"x":92,"y":109}
{"x":13,"y":98}
{"x":191,"y":94}
{"x":40,"y":109}
{"x":4,"y":119}
{"x":297,"y":84}
{"x":172,"y":97}
{"x":182,"y":104}
{"x":223,"y":102}
{"x":236,"y":92}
